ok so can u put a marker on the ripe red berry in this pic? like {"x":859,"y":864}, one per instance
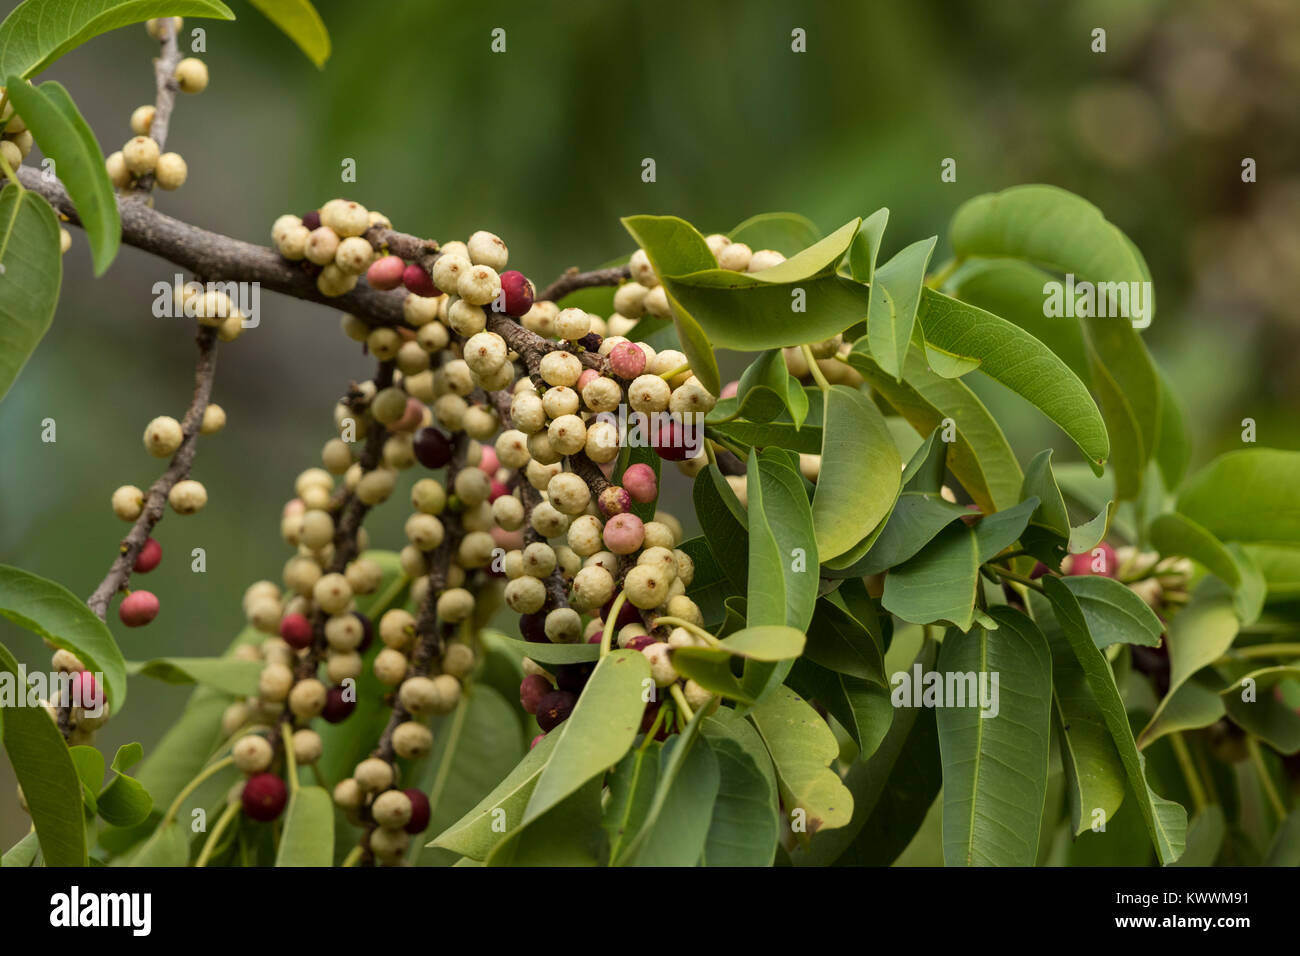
{"x":296,"y":631}
{"x":1105,"y":563}
{"x":518,"y":293}
{"x":531,"y":691}
{"x":730,"y":389}
{"x":555,"y":708}
{"x":432,"y":447}
{"x":148,"y":558}
{"x":264,"y":797}
{"x":367,"y":632}
{"x":85,"y":691}
{"x":498,"y":489}
{"x":640,"y":482}
{"x":614,"y":500}
{"x":418,"y":281}
{"x":639,"y":642}
{"x":138,"y":608}
{"x":420,"y":811}
{"x":338,"y":706}
{"x":386,"y":273}
{"x":674,"y":441}
{"x":311,"y":219}
{"x":627,"y":614}
{"x":533,"y":627}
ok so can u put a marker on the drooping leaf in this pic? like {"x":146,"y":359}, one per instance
{"x":226,"y":674}
{"x":66,"y":138}
{"x":1165,"y":820}
{"x":995,"y":759}
{"x":47,"y":775}
{"x":1114,"y":613}
{"x":680,"y":815}
{"x":894,"y":296}
{"x":860,"y":472}
{"x":299,"y":21}
{"x":802,"y":748}
{"x":674,"y":247}
{"x":631,"y":793}
{"x":54,"y":613}
{"x":866,"y":246}
{"x":782,"y":546}
{"x":38,"y":32}
{"x":29,"y":283}
{"x":124,"y":802}
{"x":746,"y":823}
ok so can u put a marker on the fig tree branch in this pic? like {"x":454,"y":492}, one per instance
{"x":164,"y":68}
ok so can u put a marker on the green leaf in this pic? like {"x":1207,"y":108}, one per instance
{"x":65,"y":138}
{"x":680,"y":816}
{"x":947,"y":364}
{"x":1199,"y":635}
{"x":1176,"y":534}
{"x":1192,"y":706}
{"x":724,"y":523}
{"x":1174,"y":445}
{"x":674,"y":247}
{"x":1115,"y":614}
{"x":940,"y":582}
{"x":840,"y":642}
{"x":299,"y":21}
{"x":1246,"y":496}
{"x":894,"y":297}
{"x":125,"y":802}
{"x":866,"y":245}
{"x":22,"y":853}
{"x":90,"y":771}
{"x":474,"y":748}
{"x":602,"y":727}
{"x":631,"y":793}
{"x":805,"y":440}
{"x":1011,"y":356}
{"x":553,"y":653}
{"x":171,"y":847}
{"x":1165,"y":820}
{"x":228,"y":675}
{"x":862,"y":707}
{"x":710,"y":667}
{"x":709,"y":588}
{"x":782,"y":548}
{"x":915,"y":521}
{"x":786,"y":232}
{"x":860,"y":473}
{"x":568,"y":834}
{"x":980,"y":457}
{"x":816,"y":260}
{"x":746,"y":823}
{"x":308,"y":835}
{"x":1204,"y":838}
{"x":767,"y":388}
{"x":1280,"y":567}
{"x":1285,"y":850}
{"x":29,"y":283}
{"x":672,"y":758}
{"x":38,"y":32}
{"x":995,"y":759}
{"x":1275,"y":721}
{"x":802,"y":748}
{"x":46,"y":773}
{"x":1095,"y":779}
{"x":54,"y":613}
{"x":892,"y":790}
{"x":476,"y":833}
{"x":1088,"y":535}
{"x":1062,"y":232}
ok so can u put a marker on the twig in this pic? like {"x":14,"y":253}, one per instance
{"x":573,"y":280}
{"x":164,"y":69}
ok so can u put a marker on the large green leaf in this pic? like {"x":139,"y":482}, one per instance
{"x":995,"y":758}
{"x":32,"y":271}
{"x":894,"y":297}
{"x":766,"y":389}
{"x":1114,"y":613}
{"x":567,"y":834}
{"x":866,"y":246}
{"x":631,"y":794}
{"x":746,"y":822}
{"x":1011,"y":356}
{"x":724,"y":523}
{"x":473,"y":750}
{"x":862,"y":707}
{"x":1094,"y":774}
{"x":839,"y":641}
{"x":940,"y":582}
{"x":308,"y":835}
{"x":476,"y":833}
{"x":981,"y":457}
{"x":1246,"y":496}
{"x":891,"y":791}
{"x":38,"y":32}
{"x":46,"y":773}
{"x":553,"y":653}
{"x":226,"y":674}
{"x":674,"y":247}
{"x":860,"y":473}
{"x":597,"y":734}
{"x":1065,"y":233}
{"x":66,"y":139}
{"x":300,"y":22}
{"x":782,"y":547}
{"x":1165,"y":820}
{"x":710,"y":667}
{"x":53,"y":612}
{"x":915,"y":521}
{"x":802,"y":748}
{"x":1173,"y":533}
{"x":681,"y":812}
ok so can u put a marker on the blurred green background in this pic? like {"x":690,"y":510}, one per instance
{"x":543,"y":145}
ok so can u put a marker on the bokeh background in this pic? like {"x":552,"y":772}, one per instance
{"x":543,"y":145}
